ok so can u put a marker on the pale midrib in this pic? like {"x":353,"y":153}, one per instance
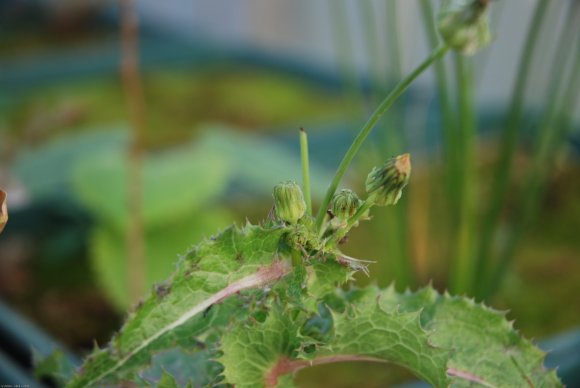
{"x":263,"y":276}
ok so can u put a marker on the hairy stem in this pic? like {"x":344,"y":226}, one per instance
{"x":135,"y":101}
{"x":305,"y":170}
{"x":366,"y":129}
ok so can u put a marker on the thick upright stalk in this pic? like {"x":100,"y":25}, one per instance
{"x":447,"y":122}
{"x":398,"y":227}
{"x":451,"y":163}
{"x":369,"y":125}
{"x":462,"y":271}
{"x":135,"y":102}
{"x":509,"y":141}
{"x":305,"y":170}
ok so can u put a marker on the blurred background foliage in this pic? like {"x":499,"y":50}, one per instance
{"x":226,"y":86}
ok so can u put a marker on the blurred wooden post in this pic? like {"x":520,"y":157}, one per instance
{"x":134,"y":94}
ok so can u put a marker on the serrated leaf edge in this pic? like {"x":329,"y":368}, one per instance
{"x":265,"y":275}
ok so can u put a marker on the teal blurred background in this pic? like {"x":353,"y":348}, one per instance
{"x":226,"y":86}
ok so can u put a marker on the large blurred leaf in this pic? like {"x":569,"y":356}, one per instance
{"x":46,"y":170}
{"x":174,"y":184}
{"x":109,"y":253}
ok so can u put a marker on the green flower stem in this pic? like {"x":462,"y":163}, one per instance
{"x":509,"y":141}
{"x":305,"y":171}
{"x":366,"y":205}
{"x":462,"y":268}
{"x":366,"y":129}
{"x":552,"y":131}
{"x":296,"y":258}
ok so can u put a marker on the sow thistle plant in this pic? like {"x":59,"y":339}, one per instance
{"x":257,"y":303}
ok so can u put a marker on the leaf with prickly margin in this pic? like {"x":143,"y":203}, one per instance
{"x":252,"y":350}
{"x":181,"y":311}
{"x":259,"y":355}
{"x":447,"y":341}
{"x":167,"y":381}
{"x":485,"y":347}
{"x":366,"y":329}
{"x":197,"y":367}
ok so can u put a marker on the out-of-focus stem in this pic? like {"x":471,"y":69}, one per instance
{"x":462,"y":268}
{"x":369,"y":125}
{"x":451,"y":165}
{"x":305,"y":170}
{"x":509,"y":142}
{"x":395,"y":59}
{"x":344,"y":51}
{"x":550,"y":135}
{"x":135,"y":101}
{"x":447,"y":123}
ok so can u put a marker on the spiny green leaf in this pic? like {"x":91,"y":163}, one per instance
{"x":167,"y":381}
{"x":109,"y":252}
{"x":251,"y":351}
{"x":446,"y":341}
{"x":177,"y":313}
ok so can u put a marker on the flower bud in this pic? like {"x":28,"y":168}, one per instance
{"x":463,"y":24}
{"x":289,"y":202}
{"x":345,"y":203}
{"x":385,"y":185}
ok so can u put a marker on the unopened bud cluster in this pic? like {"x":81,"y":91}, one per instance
{"x":345,"y":204}
{"x":463,"y":24}
{"x":289,"y":202}
{"x":385,"y":184}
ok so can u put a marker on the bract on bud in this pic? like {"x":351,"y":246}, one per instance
{"x":345,"y":203}
{"x":463,"y":24}
{"x":289,"y":202}
{"x":385,"y":185}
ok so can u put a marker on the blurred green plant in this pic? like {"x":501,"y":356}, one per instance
{"x":184,"y":190}
{"x":260,"y":302}
{"x":268,"y":300}
{"x":472,"y":229}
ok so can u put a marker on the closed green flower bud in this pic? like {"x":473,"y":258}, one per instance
{"x":464,"y":26}
{"x":345,"y":203}
{"x":385,"y":184}
{"x":289,"y":202}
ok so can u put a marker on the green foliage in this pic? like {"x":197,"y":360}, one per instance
{"x":243,"y":315}
{"x":180,"y":312}
{"x":445,"y":340}
{"x":56,"y":366}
